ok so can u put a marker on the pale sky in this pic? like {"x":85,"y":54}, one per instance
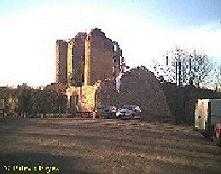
{"x":144,"y":30}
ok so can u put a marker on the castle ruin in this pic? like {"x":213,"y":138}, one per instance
{"x":83,"y":63}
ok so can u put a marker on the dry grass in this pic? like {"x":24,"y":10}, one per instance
{"x":108,"y":146}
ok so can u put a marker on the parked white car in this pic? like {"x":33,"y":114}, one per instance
{"x":128,"y":112}
{"x":124,"y":113}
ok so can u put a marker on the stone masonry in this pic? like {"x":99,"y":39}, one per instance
{"x":61,"y":61}
{"x":90,"y":59}
{"x":98,"y":57}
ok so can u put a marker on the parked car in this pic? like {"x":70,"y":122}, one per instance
{"x":108,"y":111}
{"x":129,"y":112}
{"x":124,"y":113}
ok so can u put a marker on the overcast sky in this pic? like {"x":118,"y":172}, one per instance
{"x":144,"y":29}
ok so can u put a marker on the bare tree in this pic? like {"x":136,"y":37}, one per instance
{"x":184,"y":67}
{"x":217,"y":78}
{"x":201,"y":68}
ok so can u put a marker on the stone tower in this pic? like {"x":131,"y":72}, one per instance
{"x":99,"y":53}
{"x":91,"y":62}
{"x":61,"y":61}
{"x":79,"y":59}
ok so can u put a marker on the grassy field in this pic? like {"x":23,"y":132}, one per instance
{"x":106,"y":146}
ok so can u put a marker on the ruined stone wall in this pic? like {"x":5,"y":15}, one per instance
{"x":140,"y":87}
{"x":70,"y":57}
{"x":88,"y":98}
{"x":82,"y":98}
{"x":98,"y":57}
{"x":61,"y":61}
{"x":92,"y":59}
{"x":87,"y":61}
{"x":117,"y":59}
{"x":106,"y":94}
{"x":87,"y":58}
{"x":79,"y":59}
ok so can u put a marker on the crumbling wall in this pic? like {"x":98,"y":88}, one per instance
{"x":61,"y":61}
{"x":87,"y":58}
{"x":98,"y":57}
{"x":117,"y":59}
{"x":140,"y":87}
{"x":106,"y":94}
{"x":70,"y":58}
{"x":78,"y":59}
{"x":87,"y":61}
{"x":82,"y":99}
{"x":92,"y":60}
{"x":88,"y":98}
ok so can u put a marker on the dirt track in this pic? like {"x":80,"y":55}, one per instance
{"x":107,"y":146}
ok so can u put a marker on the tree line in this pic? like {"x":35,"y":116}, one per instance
{"x":25,"y":100}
